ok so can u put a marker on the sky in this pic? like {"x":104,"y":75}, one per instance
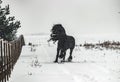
{"x":76,"y":16}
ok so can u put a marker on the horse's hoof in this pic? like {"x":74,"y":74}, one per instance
{"x":63,"y":61}
{"x":70,"y":59}
{"x":61,"y":56}
{"x":55,"y":61}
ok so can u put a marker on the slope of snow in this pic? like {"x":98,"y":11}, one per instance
{"x":89,"y":65}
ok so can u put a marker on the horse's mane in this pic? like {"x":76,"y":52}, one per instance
{"x":59,"y":28}
{"x":58,"y":32}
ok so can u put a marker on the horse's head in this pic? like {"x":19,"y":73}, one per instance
{"x":57,"y":31}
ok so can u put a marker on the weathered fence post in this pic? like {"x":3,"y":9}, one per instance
{"x":9,"y":54}
{"x":1,"y":70}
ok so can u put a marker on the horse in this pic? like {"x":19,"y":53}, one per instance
{"x":65,"y":42}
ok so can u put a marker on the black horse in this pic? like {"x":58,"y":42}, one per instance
{"x":64,"y":42}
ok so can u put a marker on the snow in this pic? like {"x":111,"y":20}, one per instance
{"x":89,"y":65}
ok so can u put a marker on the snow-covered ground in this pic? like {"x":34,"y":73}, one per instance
{"x":89,"y":65}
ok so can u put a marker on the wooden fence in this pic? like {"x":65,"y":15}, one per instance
{"x":9,"y":54}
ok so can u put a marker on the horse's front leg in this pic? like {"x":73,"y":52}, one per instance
{"x":56,"y":60}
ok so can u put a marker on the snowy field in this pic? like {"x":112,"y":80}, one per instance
{"x":89,"y":65}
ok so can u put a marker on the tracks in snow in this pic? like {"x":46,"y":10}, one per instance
{"x":85,"y":73}
{"x":54,"y":72}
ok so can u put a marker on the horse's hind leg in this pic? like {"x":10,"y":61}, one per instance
{"x":70,"y":57}
{"x":64,"y":56}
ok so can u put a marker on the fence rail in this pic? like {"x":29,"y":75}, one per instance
{"x":9,"y":54}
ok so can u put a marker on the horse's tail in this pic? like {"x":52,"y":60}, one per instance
{"x":72,"y":42}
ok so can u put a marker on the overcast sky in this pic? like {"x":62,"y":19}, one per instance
{"x":77,"y":16}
